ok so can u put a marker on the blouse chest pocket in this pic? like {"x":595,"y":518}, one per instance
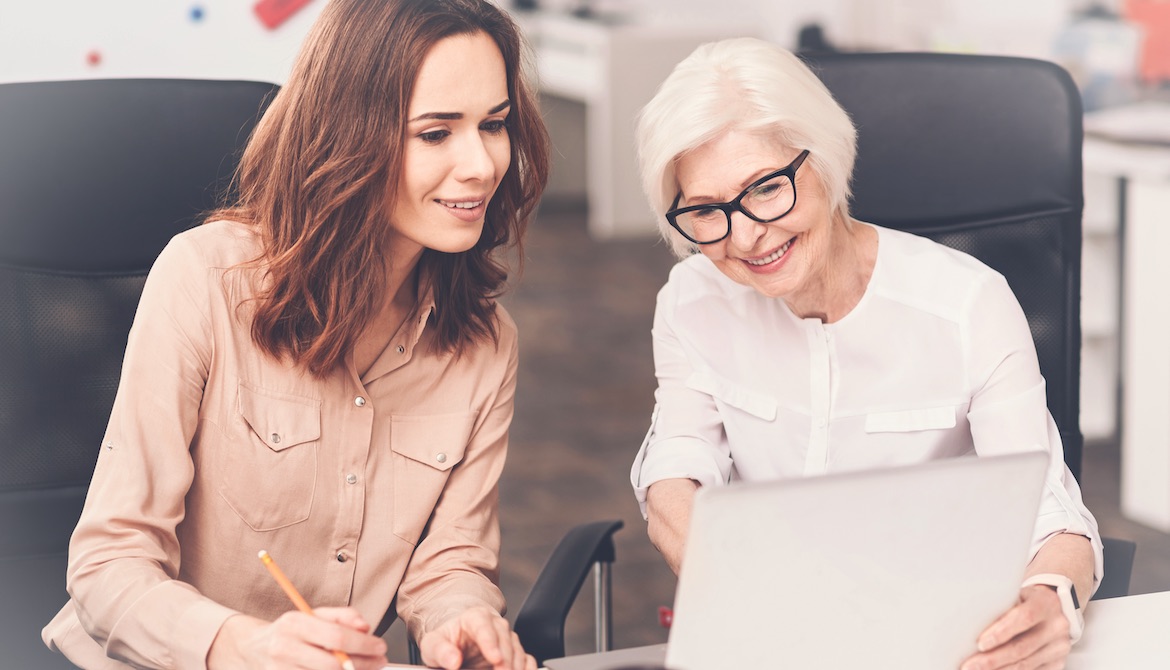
{"x":269,"y":468}
{"x":426,"y":449}
{"x":911,"y":420}
{"x":757,"y":404}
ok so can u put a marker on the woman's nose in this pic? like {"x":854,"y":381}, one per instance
{"x":474,"y":161}
{"x":745,"y":232}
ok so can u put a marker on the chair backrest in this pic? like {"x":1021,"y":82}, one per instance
{"x":981,"y":153}
{"x":95,"y":178}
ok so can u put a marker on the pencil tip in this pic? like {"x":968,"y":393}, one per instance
{"x":262,"y":554}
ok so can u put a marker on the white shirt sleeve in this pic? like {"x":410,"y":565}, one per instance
{"x":686,"y":439}
{"x":1009,"y":409}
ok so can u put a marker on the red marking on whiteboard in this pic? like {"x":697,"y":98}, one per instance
{"x":272,"y":13}
{"x":93,"y":58}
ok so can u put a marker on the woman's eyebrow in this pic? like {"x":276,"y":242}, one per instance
{"x":455,"y":116}
{"x":742,"y":185}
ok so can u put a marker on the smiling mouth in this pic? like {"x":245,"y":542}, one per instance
{"x":772,"y":257}
{"x":467,"y":204}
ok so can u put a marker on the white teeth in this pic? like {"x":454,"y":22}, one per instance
{"x":773,"y":256}
{"x":461,"y":205}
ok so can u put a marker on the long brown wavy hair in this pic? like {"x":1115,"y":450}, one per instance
{"x":319,"y":175}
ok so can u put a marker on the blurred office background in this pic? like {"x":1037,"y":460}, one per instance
{"x":593,"y":264}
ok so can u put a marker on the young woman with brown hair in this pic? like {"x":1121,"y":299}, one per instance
{"x":321,"y":371}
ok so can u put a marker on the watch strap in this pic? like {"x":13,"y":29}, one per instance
{"x":1069,"y":604}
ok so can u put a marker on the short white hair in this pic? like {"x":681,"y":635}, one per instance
{"x":749,"y":85}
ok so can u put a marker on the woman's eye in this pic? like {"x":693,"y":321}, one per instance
{"x":706,"y":214}
{"x":765,"y":190}
{"x":494,"y":127}
{"x":434,"y":136}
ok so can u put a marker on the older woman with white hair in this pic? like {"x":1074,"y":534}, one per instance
{"x":793,"y":340}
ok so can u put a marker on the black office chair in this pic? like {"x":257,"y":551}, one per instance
{"x":983,"y":153}
{"x":95,"y":177}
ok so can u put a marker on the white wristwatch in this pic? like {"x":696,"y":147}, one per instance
{"x":1069,"y":604}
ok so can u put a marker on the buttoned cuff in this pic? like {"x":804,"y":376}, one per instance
{"x":171,"y":626}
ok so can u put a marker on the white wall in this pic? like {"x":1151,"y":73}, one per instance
{"x":51,"y":39}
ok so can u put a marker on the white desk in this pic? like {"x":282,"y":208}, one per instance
{"x":614,"y":69}
{"x":1145,"y":325}
{"x":1127,"y":633}
{"x":1120,"y":634}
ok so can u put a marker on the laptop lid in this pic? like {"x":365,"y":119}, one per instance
{"x":900,"y":567}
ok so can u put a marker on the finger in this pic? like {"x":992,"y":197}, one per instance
{"x":481,"y":629}
{"x":346,"y":616}
{"x":437,"y":651}
{"x":289,"y":648}
{"x":1015,"y":621}
{"x":336,"y":637}
{"x":503,"y":637}
{"x":1033,"y":649}
{"x":521,"y":660}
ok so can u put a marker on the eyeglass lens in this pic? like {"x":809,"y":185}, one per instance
{"x":766,"y":202}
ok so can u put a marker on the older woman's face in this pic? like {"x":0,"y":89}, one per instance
{"x":781,"y":259}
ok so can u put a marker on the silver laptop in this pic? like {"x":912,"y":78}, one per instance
{"x":900,"y":567}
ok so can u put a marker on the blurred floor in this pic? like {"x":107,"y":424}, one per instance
{"x":584,"y":309}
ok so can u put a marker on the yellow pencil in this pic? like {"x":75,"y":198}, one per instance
{"x":299,"y":601}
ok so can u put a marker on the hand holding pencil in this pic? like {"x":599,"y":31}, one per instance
{"x":326,"y":638}
{"x":295,"y":596}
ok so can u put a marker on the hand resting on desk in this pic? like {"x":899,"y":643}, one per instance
{"x":477,"y":638}
{"x":1035,"y":632}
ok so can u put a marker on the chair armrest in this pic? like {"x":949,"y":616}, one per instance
{"x":540,"y":622}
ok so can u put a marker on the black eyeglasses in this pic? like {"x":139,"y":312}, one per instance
{"x":767,"y":199}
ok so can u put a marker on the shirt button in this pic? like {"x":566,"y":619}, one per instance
{"x":340,"y":557}
{"x":351,"y":479}
{"x":275,"y":438}
{"x":401,"y":348}
{"x":359,"y":401}
{"x":442,"y":458}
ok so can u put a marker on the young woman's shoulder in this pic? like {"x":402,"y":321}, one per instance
{"x":220,"y":244}
{"x":506,"y":329}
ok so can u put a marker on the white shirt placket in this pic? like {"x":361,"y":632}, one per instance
{"x":816,"y":460}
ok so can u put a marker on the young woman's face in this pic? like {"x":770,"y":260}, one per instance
{"x":456,"y":149}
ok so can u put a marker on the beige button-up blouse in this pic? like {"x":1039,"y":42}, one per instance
{"x":216,"y":450}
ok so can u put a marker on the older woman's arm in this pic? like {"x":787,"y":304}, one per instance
{"x":686,"y":446}
{"x":1035,"y":633}
{"x":668,"y":510}
{"x":1009,"y":413}
{"x":1069,"y":555}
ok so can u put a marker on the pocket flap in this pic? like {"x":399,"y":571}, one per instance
{"x":907,"y":420}
{"x":437,"y":440}
{"x":754,"y":403}
{"x":280,"y":421}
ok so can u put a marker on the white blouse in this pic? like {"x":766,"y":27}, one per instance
{"x":935,"y":361}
